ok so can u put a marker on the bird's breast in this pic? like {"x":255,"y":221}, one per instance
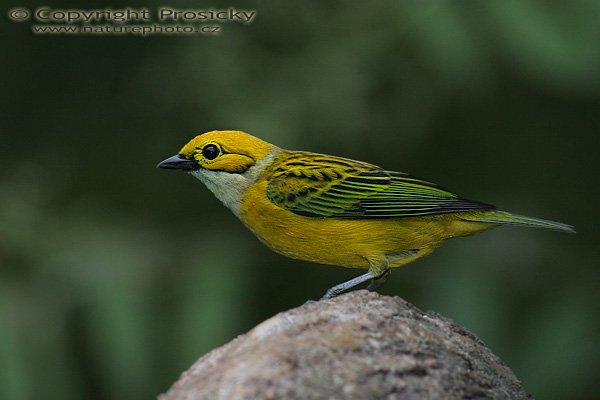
{"x":354,"y":243}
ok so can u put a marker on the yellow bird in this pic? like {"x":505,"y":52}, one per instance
{"x":334,"y":210}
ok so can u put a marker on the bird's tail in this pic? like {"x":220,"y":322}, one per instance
{"x":506,"y":218}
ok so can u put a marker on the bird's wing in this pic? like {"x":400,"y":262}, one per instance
{"x":316,"y":185}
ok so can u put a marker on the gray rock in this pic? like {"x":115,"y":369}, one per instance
{"x":360,"y":345}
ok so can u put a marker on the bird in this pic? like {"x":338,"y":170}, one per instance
{"x":333,"y":210}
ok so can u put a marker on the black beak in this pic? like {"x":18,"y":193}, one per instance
{"x":178,"y":162}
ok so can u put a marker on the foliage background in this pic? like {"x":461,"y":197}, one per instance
{"x":115,"y":276}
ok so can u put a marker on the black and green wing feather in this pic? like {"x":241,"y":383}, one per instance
{"x":315,"y":185}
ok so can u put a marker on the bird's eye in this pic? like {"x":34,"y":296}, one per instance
{"x":210,"y":151}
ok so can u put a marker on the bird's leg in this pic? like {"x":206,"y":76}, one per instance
{"x":342,"y":287}
{"x":379,"y":280}
{"x":381,"y":271}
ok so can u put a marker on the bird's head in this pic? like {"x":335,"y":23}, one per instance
{"x":233,"y":152}
{"x":227,"y":162}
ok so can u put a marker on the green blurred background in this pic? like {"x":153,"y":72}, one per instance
{"x":115,"y":276}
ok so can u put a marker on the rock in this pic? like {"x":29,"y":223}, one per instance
{"x":360,"y":345}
